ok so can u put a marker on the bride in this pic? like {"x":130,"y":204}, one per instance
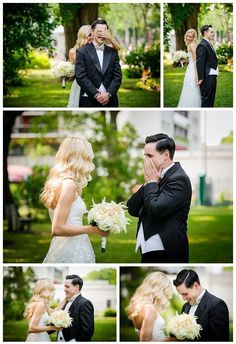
{"x":84,"y":36}
{"x":191,"y":95}
{"x":62,"y":196}
{"x":146,"y":305}
{"x":38,"y":309}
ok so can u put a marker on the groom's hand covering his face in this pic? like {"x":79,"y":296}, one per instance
{"x":150,"y":171}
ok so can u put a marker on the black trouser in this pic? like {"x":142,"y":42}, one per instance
{"x":208,"y":91}
{"x":155,"y":257}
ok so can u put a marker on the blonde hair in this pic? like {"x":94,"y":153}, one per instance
{"x":72,"y":161}
{"x":82,"y":36}
{"x":156,"y":288}
{"x":44,"y":291}
{"x":194,"y":32}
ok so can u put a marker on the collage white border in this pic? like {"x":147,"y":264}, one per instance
{"x":116,"y":266}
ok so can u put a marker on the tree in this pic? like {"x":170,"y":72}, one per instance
{"x":73,"y":16}
{"x":228,"y":139}
{"x":25,"y":26}
{"x":10,"y":207}
{"x":184,"y":16}
{"x":103,"y":274}
{"x":16,"y":291}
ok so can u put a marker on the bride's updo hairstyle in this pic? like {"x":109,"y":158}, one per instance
{"x":72,"y":161}
{"x":194,"y":33}
{"x":156,"y":288}
{"x":44,"y":291}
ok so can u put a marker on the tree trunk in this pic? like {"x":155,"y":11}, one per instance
{"x":84,"y":16}
{"x":191,"y":22}
{"x":10,"y":208}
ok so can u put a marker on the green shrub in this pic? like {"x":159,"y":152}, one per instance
{"x":143,"y":58}
{"x":109,"y":312}
{"x":38,"y":60}
{"x":224,"y":53}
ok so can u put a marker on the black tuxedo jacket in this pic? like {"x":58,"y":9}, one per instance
{"x":206,"y":59}
{"x":89,"y":74}
{"x":212,"y":314}
{"x":163,"y":208}
{"x":82,"y":327}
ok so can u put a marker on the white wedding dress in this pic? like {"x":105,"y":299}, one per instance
{"x":190,"y":95}
{"x":75,"y":249}
{"x":42,"y":336}
{"x":74,"y":95}
{"x":157,"y":331}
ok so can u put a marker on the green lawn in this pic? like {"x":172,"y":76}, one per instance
{"x":40,"y":89}
{"x":210,"y":235}
{"x":16,"y":331}
{"x":173,"y":81}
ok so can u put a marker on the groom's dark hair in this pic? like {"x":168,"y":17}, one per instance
{"x":76,"y":280}
{"x":188,"y":277}
{"x":205,"y":28}
{"x":98,"y":21}
{"x":164,"y":142}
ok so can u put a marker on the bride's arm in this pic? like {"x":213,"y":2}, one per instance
{"x":33,"y":324}
{"x":193,"y":50}
{"x":72,"y":55}
{"x":61,"y":305}
{"x":147,"y":323}
{"x":62,"y":210}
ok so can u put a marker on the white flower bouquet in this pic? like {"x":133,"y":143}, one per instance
{"x":179,"y":56}
{"x":108,"y":216}
{"x":60,"y":319}
{"x":184,"y":327}
{"x":62,"y":70}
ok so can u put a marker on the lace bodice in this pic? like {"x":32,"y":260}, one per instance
{"x":75,"y":249}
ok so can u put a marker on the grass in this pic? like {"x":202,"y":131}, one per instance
{"x":173,"y":81}
{"x":16,"y":331}
{"x":210,"y":235}
{"x":40,"y":89}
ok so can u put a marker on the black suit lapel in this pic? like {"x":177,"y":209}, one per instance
{"x":106,"y":59}
{"x":210,"y":48}
{"x":94,"y":57}
{"x":201,"y":306}
{"x":169,"y":173}
{"x":186,"y":308}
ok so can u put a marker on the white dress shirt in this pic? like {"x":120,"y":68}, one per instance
{"x":60,"y":337}
{"x":154,"y":243}
{"x":194,"y":307}
{"x":100,"y":54}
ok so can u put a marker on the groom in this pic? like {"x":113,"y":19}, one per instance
{"x":162,"y":204}
{"x":207,"y":67}
{"x":98,"y":70}
{"x":80,"y":309}
{"x":211,"y":312}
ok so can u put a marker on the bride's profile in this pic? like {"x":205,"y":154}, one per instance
{"x":84,"y":36}
{"x":190,"y":95}
{"x":146,"y":305}
{"x":38,"y":309}
{"x":62,"y":196}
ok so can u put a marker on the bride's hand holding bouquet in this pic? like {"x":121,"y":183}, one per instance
{"x":109,"y":217}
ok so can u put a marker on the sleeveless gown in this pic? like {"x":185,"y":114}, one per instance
{"x":42,"y":336}
{"x":75,"y":249}
{"x":190,"y":95}
{"x":74,"y":95}
{"x":157,"y":331}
